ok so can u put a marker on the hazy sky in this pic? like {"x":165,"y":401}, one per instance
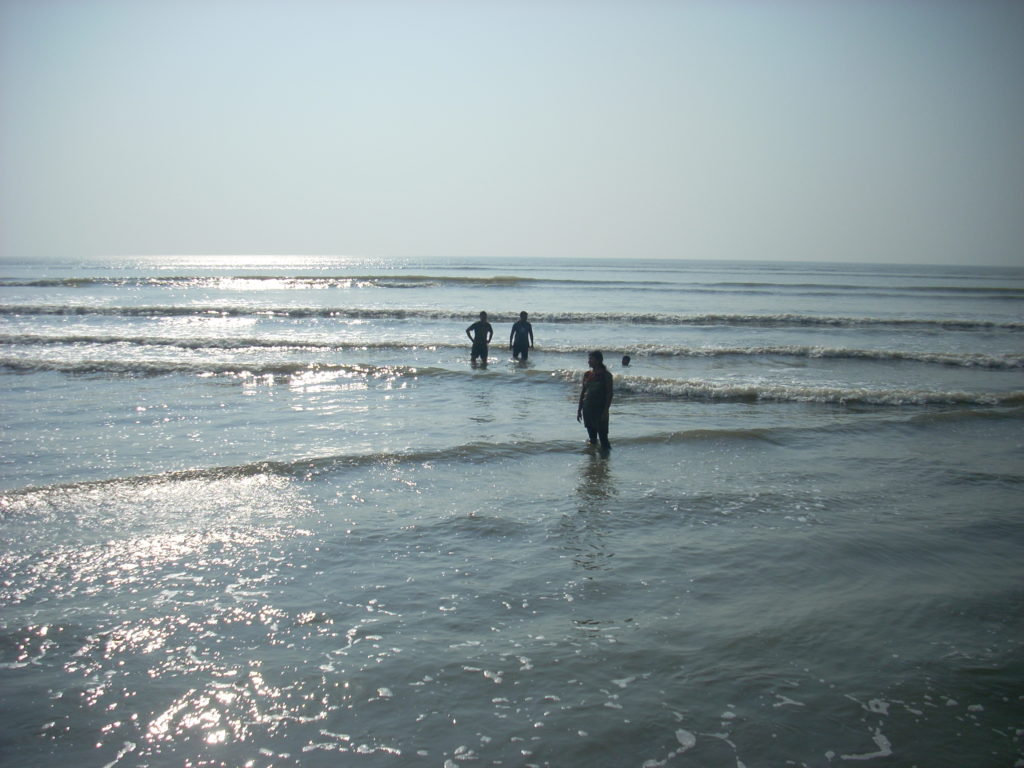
{"x":865,"y":130}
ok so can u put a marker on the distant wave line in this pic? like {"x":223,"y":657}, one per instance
{"x":621,"y":318}
{"x":883,"y":290}
{"x":965,"y":360}
{"x":318,"y":282}
{"x":303,"y":282}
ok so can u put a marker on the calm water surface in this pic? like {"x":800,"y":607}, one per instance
{"x":265,"y":513}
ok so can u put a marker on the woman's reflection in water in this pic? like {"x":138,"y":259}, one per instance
{"x":585,"y":531}
{"x":587,"y":537}
{"x":595,"y":485}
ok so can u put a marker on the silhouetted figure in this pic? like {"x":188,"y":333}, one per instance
{"x":520,"y":341}
{"x":596,"y":399}
{"x":480,"y":334}
{"x":625,"y":361}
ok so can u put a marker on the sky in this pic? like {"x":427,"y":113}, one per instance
{"x":824,"y":130}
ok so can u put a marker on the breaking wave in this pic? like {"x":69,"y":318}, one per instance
{"x":965,"y":360}
{"x":691,"y":389}
{"x":761,"y":392}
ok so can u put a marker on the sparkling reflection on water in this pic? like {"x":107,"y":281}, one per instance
{"x":377,"y":612}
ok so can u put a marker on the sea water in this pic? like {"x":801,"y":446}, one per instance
{"x":264,"y":512}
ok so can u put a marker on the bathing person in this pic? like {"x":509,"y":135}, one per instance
{"x":480,"y":334}
{"x":595,"y":399}
{"x":520,"y":341}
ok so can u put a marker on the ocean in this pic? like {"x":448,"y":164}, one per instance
{"x":264,"y":512}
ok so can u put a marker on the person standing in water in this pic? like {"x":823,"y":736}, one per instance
{"x":480,"y":334}
{"x":520,"y":341}
{"x":596,"y":399}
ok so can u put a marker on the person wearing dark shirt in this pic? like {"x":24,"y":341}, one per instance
{"x":480,"y":334}
{"x":520,"y":341}
{"x":596,"y":399}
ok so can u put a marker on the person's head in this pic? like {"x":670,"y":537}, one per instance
{"x":625,"y":360}
{"x":483,"y":316}
{"x":522,"y":315}
{"x":595,"y":358}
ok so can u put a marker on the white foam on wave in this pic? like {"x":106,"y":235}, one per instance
{"x":753,"y":391}
{"x":964,"y":360}
{"x":778,"y":320}
{"x":884,"y":748}
{"x":686,"y":740}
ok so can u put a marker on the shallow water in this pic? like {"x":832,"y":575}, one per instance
{"x":320,"y":538}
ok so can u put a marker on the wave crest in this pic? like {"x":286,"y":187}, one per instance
{"x":781,"y":320}
{"x":965,"y":360}
{"x":761,"y":392}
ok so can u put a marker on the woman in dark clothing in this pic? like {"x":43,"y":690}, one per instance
{"x":595,"y":399}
